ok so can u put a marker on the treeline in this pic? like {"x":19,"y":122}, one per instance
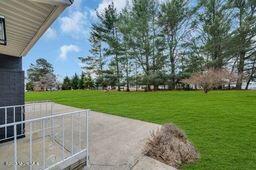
{"x":41,"y":77}
{"x":151,"y":43}
{"x":78,"y":82}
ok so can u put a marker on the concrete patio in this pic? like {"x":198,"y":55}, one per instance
{"x":47,"y":141}
{"x":115,"y":143}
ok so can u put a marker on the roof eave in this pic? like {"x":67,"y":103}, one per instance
{"x":60,"y":7}
{"x":55,"y":2}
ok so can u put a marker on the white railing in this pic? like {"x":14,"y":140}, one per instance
{"x":17,"y":113}
{"x":53,"y":140}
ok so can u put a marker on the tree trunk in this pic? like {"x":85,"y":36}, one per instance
{"x":232,"y":71}
{"x":172,"y":86}
{"x":155,"y":87}
{"x":117,"y":74}
{"x":251,"y":76}
{"x":148,"y":87}
{"x":127,"y":71}
{"x":147,"y":73}
{"x":248,"y":83}
{"x":240,"y":69}
{"x":240,"y":66}
{"x":172,"y":60}
{"x":127,"y":81}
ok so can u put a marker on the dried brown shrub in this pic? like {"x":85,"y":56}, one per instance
{"x":170,"y":146}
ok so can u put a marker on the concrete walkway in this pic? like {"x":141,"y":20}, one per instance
{"x":116,"y":143}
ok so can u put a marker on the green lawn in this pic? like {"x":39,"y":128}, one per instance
{"x":222,"y":125}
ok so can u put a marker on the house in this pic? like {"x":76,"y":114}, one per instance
{"x":22,"y":23}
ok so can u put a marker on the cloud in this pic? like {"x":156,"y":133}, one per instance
{"x":76,"y":24}
{"x":119,"y":5}
{"x":51,"y":33}
{"x":77,"y":4}
{"x":65,"y":49}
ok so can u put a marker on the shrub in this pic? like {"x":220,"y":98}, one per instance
{"x":170,"y":146}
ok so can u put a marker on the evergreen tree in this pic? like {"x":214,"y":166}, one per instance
{"x":214,"y":22}
{"x":243,"y":41}
{"x":66,"y":84}
{"x":173,"y":19}
{"x":143,"y":41}
{"x":109,"y":32}
{"x":94,"y":63}
{"x":192,"y":61}
{"x":81,"y":81}
{"x":88,"y":82}
{"x":125,"y":25}
{"x":75,"y":82}
{"x":40,"y":71}
{"x":162,"y":42}
{"x":29,"y":86}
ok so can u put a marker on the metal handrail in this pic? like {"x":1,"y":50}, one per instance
{"x":44,"y":129}
{"x":42,"y":118}
{"x":26,"y":104}
{"x":19,"y":110}
{"x":16,"y":106}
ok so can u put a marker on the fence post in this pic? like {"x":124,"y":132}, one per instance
{"x":72,"y":134}
{"x":44,"y":161}
{"x":15,"y":147}
{"x":22,"y":114}
{"x":87,"y":138}
{"x":5,"y":114}
{"x":63,"y":137}
{"x":30,"y":145}
{"x":52,"y":122}
{"x":14,"y":114}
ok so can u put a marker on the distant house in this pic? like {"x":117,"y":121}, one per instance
{"x":252,"y":86}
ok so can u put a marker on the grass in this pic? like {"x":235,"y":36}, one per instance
{"x":221,"y":124}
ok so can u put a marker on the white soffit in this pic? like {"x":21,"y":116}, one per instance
{"x":26,"y":21}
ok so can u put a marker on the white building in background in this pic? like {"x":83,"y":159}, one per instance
{"x":252,"y":86}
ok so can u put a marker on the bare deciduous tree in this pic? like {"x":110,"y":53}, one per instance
{"x":211,"y":78}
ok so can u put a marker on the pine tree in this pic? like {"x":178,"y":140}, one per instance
{"x":107,"y":25}
{"x":161,"y":42}
{"x":41,"y":75}
{"x":75,"y":82}
{"x":125,"y":26}
{"x":66,"y":83}
{"x":88,"y":82}
{"x":81,"y":81}
{"x":243,"y":42}
{"x":215,"y":24}
{"x":94,"y":63}
{"x":144,"y":37}
{"x":173,"y":19}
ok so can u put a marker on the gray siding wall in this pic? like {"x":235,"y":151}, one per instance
{"x":10,"y":63}
{"x":11,"y":81}
{"x":11,"y":90}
